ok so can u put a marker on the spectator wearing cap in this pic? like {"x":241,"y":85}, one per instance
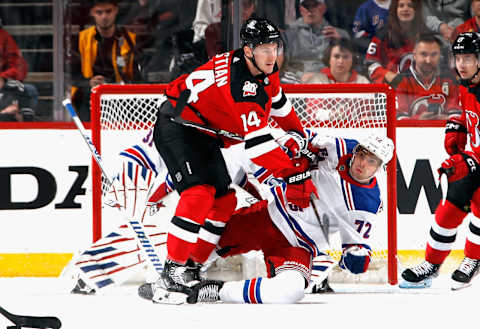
{"x":106,"y":54}
{"x":307,"y":39}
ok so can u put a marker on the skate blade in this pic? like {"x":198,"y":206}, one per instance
{"x":459,"y":285}
{"x":427,"y":283}
{"x":163,"y":296}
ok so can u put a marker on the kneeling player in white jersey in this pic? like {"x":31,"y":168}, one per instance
{"x":290,"y":237}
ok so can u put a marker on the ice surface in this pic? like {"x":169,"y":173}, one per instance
{"x":352,"y":306}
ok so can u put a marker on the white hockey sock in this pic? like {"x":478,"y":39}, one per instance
{"x":285,"y":288}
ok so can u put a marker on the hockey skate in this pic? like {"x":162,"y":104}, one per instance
{"x":420,"y":276}
{"x":207,"y":291}
{"x":322,"y":288}
{"x":464,"y":274}
{"x":175,"y":278}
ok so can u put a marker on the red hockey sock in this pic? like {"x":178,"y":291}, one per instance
{"x":212,"y":230}
{"x":192,"y":208}
{"x":443,"y":233}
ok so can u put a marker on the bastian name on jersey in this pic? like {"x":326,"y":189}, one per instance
{"x":221,"y":69}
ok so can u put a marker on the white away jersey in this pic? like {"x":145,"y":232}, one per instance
{"x":348,"y":206}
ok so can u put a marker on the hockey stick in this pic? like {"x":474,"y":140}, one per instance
{"x":176,"y":111}
{"x":26,"y":321}
{"x":138,"y":230}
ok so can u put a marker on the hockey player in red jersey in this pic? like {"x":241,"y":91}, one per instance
{"x":461,"y":168}
{"x":238,"y":92}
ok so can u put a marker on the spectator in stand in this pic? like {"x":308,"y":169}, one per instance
{"x":208,"y":12}
{"x":471,"y":25}
{"x":425,"y":92}
{"x":390,"y":51}
{"x":307,"y":39}
{"x":106,"y":54}
{"x":371,"y":16}
{"x":213,"y":33}
{"x":444,"y":16}
{"x":15,"y":102}
{"x":339,"y":60}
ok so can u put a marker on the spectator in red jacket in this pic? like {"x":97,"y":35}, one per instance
{"x":471,"y":25}
{"x":12,"y":64}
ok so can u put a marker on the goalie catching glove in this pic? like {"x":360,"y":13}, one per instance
{"x":455,"y":137}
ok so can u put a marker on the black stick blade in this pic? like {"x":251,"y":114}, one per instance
{"x":37,"y":322}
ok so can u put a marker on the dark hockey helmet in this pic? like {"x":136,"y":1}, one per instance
{"x":466,"y":43}
{"x":256,"y":31}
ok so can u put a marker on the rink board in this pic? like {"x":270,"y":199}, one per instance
{"x":39,"y":240}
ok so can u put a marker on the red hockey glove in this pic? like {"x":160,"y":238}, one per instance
{"x":294,"y":142}
{"x":455,"y":137}
{"x":299,"y":185}
{"x":459,"y":166}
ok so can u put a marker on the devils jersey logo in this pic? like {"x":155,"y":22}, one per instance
{"x":249,"y":89}
{"x":472,"y":127}
{"x":434,"y":103}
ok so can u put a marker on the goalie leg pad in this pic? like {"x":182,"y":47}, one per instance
{"x":355,"y":258}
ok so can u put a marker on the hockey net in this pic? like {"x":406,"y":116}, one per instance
{"x":121,"y":114}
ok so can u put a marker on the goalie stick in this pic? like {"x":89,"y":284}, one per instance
{"x":138,"y":230}
{"x":26,"y":321}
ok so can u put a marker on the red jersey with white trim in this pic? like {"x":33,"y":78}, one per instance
{"x":225,"y":95}
{"x":382,"y":57}
{"x":416,"y":97}
{"x":469,"y":99}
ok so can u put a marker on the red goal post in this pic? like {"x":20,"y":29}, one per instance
{"x":346,"y":109}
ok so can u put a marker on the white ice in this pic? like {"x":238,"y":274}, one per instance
{"x":352,"y":306}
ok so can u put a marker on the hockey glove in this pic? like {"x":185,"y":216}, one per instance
{"x":300,"y":186}
{"x":455,"y":137}
{"x":294,"y":143}
{"x":459,"y":166}
{"x":355,"y":258}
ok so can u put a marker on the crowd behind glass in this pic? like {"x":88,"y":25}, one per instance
{"x":404,"y":43}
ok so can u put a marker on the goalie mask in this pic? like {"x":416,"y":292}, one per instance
{"x":381,"y":146}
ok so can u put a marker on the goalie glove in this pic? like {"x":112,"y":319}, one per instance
{"x":455,"y":137}
{"x":355,"y":258}
{"x":294,"y":143}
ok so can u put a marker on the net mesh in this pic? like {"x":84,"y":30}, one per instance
{"x":345,"y":114}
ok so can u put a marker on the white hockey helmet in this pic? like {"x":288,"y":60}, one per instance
{"x":381,"y":146}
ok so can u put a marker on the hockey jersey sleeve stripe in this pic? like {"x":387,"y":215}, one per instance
{"x":302,"y":238}
{"x":282,"y":107}
{"x":259,"y":142}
